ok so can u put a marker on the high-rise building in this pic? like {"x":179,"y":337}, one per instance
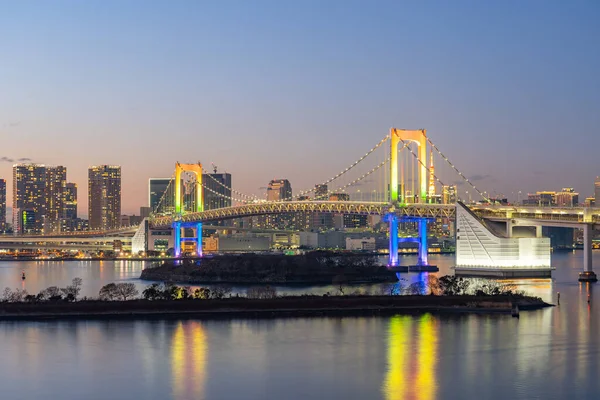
{"x":321,"y":192}
{"x":597,"y":188}
{"x":104,"y":191}
{"x":540,"y":199}
{"x":449,"y":194}
{"x":2,"y":205}
{"x":279,"y":190}
{"x":156,"y":190}
{"x":217,"y":190}
{"x":321,"y":221}
{"x":339,"y":197}
{"x":70,"y":201}
{"x":56,"y":182}
{"x":29,"y":194}
{"x":567,"y":198}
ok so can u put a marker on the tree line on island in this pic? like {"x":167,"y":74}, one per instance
{"x":124,"y":291}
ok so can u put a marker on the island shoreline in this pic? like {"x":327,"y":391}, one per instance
{"x":283,"y":307}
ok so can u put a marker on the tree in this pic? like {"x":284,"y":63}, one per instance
{"x":16,"y":296}
{"x":340,"y":280}
{"x":108,"y":292}
{"x":152,"y":292}
{"x":433,"y":285}
{"x":127,"y":291}
{"x":266,"y":292}
{"x":118,"y":291}
{"x":202,"y":293}
{"x":453,"y":285}
{"x":417,"y":288}
{"x":52,"y":293}
{"x":71,"y":292}
{"x":221,"y":291}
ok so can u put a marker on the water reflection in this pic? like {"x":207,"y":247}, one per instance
{"x":188,"y":360}
{"x":412,"y":358}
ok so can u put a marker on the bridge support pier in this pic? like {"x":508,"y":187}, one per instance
{"x":422,"y":262}
{"x":588,"y":274}
{"x":178,"y":238}
{"x":393,"y":248}
{"x":199,"y":239}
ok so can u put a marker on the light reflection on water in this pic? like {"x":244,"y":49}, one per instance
{"x":188,"y":360}
{"x":412,"y":358}
{"x":548,"y":354}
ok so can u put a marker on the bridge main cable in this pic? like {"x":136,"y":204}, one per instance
{"x":457,"y":171}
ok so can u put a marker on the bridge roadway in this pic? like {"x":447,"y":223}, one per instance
{"x":336,"y":207}
{"x":562,"y":216}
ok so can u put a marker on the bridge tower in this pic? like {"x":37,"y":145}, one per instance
{"x":178,"y":224}
{"x":420,"y":138}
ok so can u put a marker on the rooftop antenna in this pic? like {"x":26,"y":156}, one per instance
{"x":214,"y":167}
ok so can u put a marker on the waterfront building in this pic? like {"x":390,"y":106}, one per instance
{"x":70,"y":201}
{"x":540,"y":199}
{"x":216,"y":192}
{"x":567,"y":198}
{"x":590,"y":202}
{"x":156,"y":190}
{"x":321,"y":192}
{"x":55,"y":190}
{"x":449,"y":194}
{"x":321,"y":221}
{"x":145,"y":211}
{"x":279,"y":190}
{"x":2,"y":205}
{"x":104,"y":196}
{"x":29,"y":200}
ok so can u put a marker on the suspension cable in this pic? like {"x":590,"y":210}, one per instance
{"x":342,"y":188}
{"x":457,"y":171}
{"x":382,"y":141}
{"x":155,"y":211}
{"x":249,"y":197}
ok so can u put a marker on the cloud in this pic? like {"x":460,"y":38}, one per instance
{"x":474,"y":178}
{"x":12,"y":160}
{"x":478,"y":177}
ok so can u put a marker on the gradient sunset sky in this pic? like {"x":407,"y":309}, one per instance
{"x":509,"y":90}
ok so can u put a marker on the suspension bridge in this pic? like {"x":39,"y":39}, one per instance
{"x":399,"y":179}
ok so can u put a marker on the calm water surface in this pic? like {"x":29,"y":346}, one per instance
{"x":547,"y":354}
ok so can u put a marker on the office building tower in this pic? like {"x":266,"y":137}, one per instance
{"x":2,"y":205}
{"x":29,"y":194}
{"x":104,"y":191}
{"x":339,"y":197}
{"x":567,"y":198}
{"x":321,"y":221}
{"x":217,"y":190}
{"x":56,"y":182}
{"x":597,"y":188}
{"x":449,"y":194}
{"x":279,"y":190}
{"x":321,"y":192}
{"x":156,"y":191}
{"x":70,"y":201}
{"x":145,"y":212}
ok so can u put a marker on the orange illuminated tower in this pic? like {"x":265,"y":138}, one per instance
{"x":431,"y":176}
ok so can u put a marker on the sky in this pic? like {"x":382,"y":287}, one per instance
{"x":508,"y":90}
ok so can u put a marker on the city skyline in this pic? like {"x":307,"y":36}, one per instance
{"x":145,"y":96}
